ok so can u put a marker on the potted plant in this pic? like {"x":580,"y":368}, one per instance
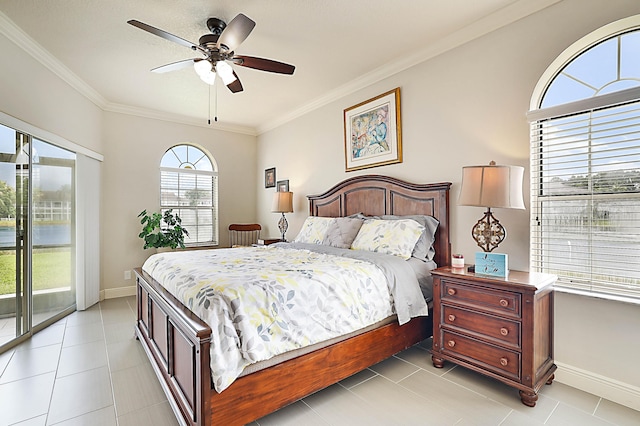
{"x":162,"y":230}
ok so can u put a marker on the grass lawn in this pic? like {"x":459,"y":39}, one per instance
{"x":51,"y":269}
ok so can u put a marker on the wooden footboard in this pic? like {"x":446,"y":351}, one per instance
{"x":177,"y":343}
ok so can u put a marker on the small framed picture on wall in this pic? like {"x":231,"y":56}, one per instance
{"x":270,"y":177}
{"x":283,"y":186}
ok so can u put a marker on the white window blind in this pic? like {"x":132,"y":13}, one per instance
{"x":585,"y":175}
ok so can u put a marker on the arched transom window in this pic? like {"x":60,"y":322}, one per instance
{"x":585,"y":164}
{"x":610,"y":66}
{"x":189,"y":186}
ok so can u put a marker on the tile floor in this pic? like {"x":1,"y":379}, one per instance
{"x":87,"y":369}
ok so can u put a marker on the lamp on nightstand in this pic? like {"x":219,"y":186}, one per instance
{"x":491,"y":186}
{"x":282,"y":203}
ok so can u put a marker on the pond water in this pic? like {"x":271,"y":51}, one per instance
{"x":43,"y":235}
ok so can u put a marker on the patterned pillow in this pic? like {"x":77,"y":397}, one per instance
{"x":342,"y":232}
{"x":424,"y":247}
{"x":313,"y":230}
{"x":396,"y":237}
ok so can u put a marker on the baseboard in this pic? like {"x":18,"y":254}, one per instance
{"x":604,"y":387}
{"x":112,"y":293}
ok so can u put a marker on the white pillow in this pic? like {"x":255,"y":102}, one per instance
{"x":313,"y":230}
{"x":395,"y":237}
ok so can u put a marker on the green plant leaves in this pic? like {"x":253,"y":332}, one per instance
{"x":162,"y":230}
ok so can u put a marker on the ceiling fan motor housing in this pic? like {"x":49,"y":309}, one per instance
{"x":216,"y":26}
{"x":209,"y":41}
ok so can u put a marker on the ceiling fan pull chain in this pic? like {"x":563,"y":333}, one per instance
{"x":216,"y":106}
{"x":209,"y":117}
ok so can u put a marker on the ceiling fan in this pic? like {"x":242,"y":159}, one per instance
{"x":217,"y":48}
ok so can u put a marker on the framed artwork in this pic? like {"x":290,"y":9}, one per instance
{"x":372,"y":132}
{"x":283,"y":186}
{"x":270,"y":177}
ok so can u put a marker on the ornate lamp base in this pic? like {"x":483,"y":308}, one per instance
{"x":488,"y":232}
{"x":283,"y":225}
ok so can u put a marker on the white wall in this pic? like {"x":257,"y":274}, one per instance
{"x":133,"y":149}
{"x":33,"y":94}
{"x":467,"y":107}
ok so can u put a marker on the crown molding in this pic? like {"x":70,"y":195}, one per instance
{"x":40,"y":54}
{"x":179,"y":119}
{"x":477,"y":29}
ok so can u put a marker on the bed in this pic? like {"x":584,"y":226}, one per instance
{"x":177,"y":341}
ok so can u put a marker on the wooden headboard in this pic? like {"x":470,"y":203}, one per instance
{"x":376,"y":195}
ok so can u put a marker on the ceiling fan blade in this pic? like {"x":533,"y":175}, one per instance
{"x":174,"y":66}
{"x":165,"y":35}
{"x":235,"y":86}
{"x":264,"y":64}
{"x":236,"y":32}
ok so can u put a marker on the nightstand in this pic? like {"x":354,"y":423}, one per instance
{"x":500,"y":327}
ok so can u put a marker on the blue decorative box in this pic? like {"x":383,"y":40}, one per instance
{"x":495,"y":264}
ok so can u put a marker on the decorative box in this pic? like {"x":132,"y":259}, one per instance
{"x":496,"y":264}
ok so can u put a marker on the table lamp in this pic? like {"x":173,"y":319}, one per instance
{"x":282,"y":203}
{"x":491,"y":186}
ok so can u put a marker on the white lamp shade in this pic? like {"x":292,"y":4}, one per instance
{"x":282,"y":202}
{"x":492,"y":186}
{"x":204,"y":69}
{"x":225,"y":72}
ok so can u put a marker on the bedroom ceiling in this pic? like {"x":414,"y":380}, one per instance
{"x":337,"y":47}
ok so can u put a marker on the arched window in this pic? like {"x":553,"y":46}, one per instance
{"x":189,"y":186}
{"x":585,"y":164}
{"x":610,"y":66}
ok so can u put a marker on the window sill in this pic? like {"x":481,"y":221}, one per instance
{"x":201,"y":247}
{"x":595,"y":295}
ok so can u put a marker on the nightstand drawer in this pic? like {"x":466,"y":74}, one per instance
{"x":489,"y":357}
{"x":500,"y":330}
{"x":486,"y":299}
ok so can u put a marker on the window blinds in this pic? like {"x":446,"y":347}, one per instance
{"x":585,"y":176}
{"x":192,"y":194}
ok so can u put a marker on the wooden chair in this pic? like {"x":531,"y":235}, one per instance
{"x":244,"y":234}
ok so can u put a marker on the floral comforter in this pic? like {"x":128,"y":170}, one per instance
{"x":264,"y":301}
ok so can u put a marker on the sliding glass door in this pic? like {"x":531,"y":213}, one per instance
{"x":13,"y":176}
{"x":37,"y":250}
{"x":52,"y":230}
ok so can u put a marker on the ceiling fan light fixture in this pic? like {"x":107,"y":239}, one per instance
{"x":209,"y":78}
{"x":202,"y":67}
{"x":225,"y":72}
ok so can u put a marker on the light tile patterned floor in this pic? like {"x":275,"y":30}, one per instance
{"x":87,"y":369}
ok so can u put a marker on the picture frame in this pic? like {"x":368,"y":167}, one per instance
{"x":495,"y":264}
{"x":373,"y":132}
{"x":282,"y":186}
{"x":270,"y":177}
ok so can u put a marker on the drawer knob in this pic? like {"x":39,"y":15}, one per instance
{"x":451,"y":291}
{"x":452,"y":317}
{"x":504,"y":303}
{"x":504,"y":361}
{"x":451,"y":343}
{"x":504,"y":331}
